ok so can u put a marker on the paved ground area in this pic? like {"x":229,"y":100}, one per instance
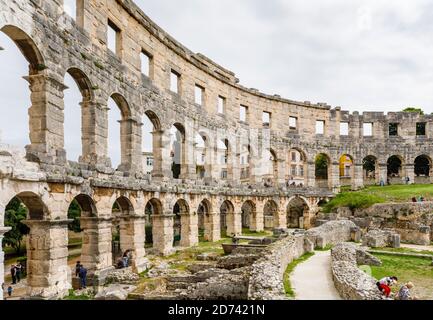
{"x":312,"y":279}
{"x":417,"y":247}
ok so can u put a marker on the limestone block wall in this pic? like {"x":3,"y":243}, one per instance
{"x":330,"y":233}
{"x":351,"y":282}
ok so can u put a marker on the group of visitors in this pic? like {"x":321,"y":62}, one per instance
{"x":418,"y":199}
{"x":124,"y":261}
{"x":17,"y":272}
{"x":385,"y":284}
{"x":406,"y":180}
{"x":81,"y":273}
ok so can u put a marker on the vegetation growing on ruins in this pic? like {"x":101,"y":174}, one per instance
{"x":16,"y":212}
{"x":415,"y":110}
{"x":417,"y":270}
{"x":376,"y":194}
{"x":291,"y":266}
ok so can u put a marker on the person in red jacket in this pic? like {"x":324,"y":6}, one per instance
{"x":385,"y":284}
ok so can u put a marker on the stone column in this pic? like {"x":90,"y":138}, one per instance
{"x":130,"y":137}
{"x":311,"y":174}
{"x":234,"y":223}
{"x":383,"y":172}
{"x":3,"y":230}
{"x":281,"y":174}
{"x":94,"y":121}
{"x":409,"y":171}
{"x":212,"y":227}
{"x":46,"y":118}
{"x":189,"y":229}
{"x":161,"y":156}
{"x":96,"y":252}
{"x":334,"y":177}
{"x":188,"y":164}
{"x":281,"y":220}
{"x":162,"y":233}
{"x":133,"y":237}
{"x":257,"y":220}
{"x":47,"y":259}
{"x":358,"y":179}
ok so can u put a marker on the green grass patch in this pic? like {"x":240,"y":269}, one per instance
{"x":290,"y":267}
{"x":326,"y":248}
{"x":417,"y":270}
{"x":405,"y":250}
{"x":73,"y":296}
{"x":248,"y":232}
{"x":376,"y":194}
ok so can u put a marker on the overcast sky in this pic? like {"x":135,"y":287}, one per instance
{"x":362,"y":55}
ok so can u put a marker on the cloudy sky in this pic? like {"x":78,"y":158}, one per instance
{"x":361,"y":54}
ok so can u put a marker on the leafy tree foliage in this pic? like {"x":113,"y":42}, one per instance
{"x":322,"y":166}
{"x":74,"y":213}
{"x":16,"y":212}
{"x":415,"y":110}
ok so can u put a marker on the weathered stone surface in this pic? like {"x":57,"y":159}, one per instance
{"x":381,"y":238}
{"x":330,"y":233}
{"x":115,"y":292}
{"x":122,"y":276}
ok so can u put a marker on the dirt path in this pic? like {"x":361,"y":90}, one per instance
{"x":312,"y":279}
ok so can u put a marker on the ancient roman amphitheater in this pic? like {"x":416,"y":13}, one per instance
{"x":257,"y":167}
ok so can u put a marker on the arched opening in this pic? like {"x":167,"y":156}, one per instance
{"x":423,"y":167}
{"x":270,"y":213}
{"x":347,"y":170}
{"x":370,"y":170}
{"x":297,"y":211}
{"x":153,"y":208}
{"x":227,"y":219}
{"x":119,"y":132}
{"x":271,"y":174}
{"x":322,"y":170}
{"x":181,"y":223}
{"x":205,"y":223}
{"x":245,"y":158}
{"x":296,"y":167}
{"x":122,"y":209}
{"x":201,"y":153}
{"x":20,"y":243}
{"x":150,"y":141}
{"x":80,"y":252}
{"x":224,"y":159}
{"x":76,"y":99}
{"x":395,"y":170}
{"x":19,"y":57}
{"x":177,"y":143}
{"x":248,"y":211}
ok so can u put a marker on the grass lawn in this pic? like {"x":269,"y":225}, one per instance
{"x":291,"y":266}
{"x":376,"y":194}
{"x":417,"y":270}
{"x":406,"y":250}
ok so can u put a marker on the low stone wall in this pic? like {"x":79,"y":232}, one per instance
{"x":351,"y":282}
{"x":266,"y":274}
{"x":331,"y":233}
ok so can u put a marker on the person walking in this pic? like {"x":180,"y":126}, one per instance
{"x":10,"y":290}
{"x":14,"y":274}
{"x":18,"y":271}
{"x":77,"y":268}
{"x":83,"y":275}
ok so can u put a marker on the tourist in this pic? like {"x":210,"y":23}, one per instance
{"x":14,"y":274}
{"x":385,"y":284}
{"x":77,"y":268}
{"x":414,"y":199}
{"x":83,"y":275}
{"x":382,"y":183}
{"x":10,"y":289}
{"x":18,"y":271}
{"x":407,"y":180}
{"x":404,"y":292}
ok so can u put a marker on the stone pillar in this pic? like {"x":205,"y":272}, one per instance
{"x":46,"y":118}
{"x":189,"y":229}
{"x":383,"y":172}
{"x":3,"y":230}
{"x":234,"y":223}
{"x":235,"y":167}
{"x":188,"y":166}
{"x":94,"y":121}
{"x":280,"y":221}
{"x":409,"y":171}
{"x":130,"y":137}
{"x":358,"y":179}
{"x":161,"y":155}
{"x":162,"y":233}
{"x":281,"y":172}
{"x":133,"y":237}
{"x":96,"y":252}
{"x":334,"y":177}
{"x":311,"y":174}
{"x":212,"y":227}
{"x":47,"y":259}
{"x":257,"y":221}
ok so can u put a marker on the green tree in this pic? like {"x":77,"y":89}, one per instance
{"x":16,"y":212}
{"x":322,"y":166}
{"x":74,"y":213}
{"x":414,"y":110}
